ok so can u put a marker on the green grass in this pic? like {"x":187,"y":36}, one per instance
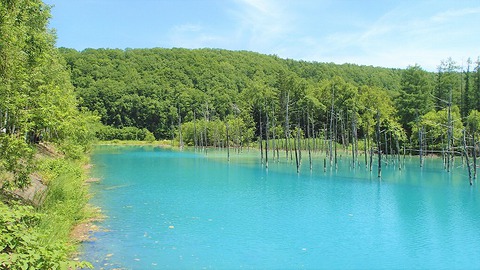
{"x":163,"y":143}
{"x":39,"y":238}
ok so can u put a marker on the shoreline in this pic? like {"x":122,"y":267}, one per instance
{"x":84,"y":230}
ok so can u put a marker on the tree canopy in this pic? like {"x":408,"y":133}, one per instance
{"x":38,"y":99}
{"x":160,"y":89}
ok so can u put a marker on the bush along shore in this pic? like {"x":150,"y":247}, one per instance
{"x":44,"y":218}
{"x":37,"y":221}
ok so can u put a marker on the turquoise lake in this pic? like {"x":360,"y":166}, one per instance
{"x":184,"y":210}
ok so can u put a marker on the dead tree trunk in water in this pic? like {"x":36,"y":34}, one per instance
{"x":386,"y":149}
{"x":449,"y":133}
{"x":299,"y":142}
{"x":366,"y":147}
{"x":299,"y":146}
{"x":371,"y":157}
{"x":420,"y":145}
{"x":342,"y":130}
{"x":331,"y":125}
{"x":273,"y":134}
{"x":228,"y":142}
{"x":324,"y":145}
{"x":335,"y":143}
{"x":201,"y":140}
{"x":287,"y":126}
{"x":379,"y":146}
{"x":261,"y":138}
{"x":195,"y":140}
{"x":444,"y":157}
{"x":398,"y":152}
{"x":392,"y":156}
{"x":172,"y":128}
{"x":474,"y":156}
{"x":465,"y":151}
{"x":296,"y":155}
{"x":180,"y":128}
{"x":205,"y":135}
{"x":308,"y":141}
{"x":266,"y":142}
{"x":354,"y":140}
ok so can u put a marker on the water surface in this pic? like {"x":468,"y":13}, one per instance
{"x":184,"y":210}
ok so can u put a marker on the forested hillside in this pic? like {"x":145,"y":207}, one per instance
{"x":259,"y":96}
{"x":150,"y":88}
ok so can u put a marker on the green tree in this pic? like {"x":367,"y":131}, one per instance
{"x":447,"y":84}
{"x":476,"y":87}
{"x":467,"y":95}
{"x":415,"y":97}
{"x":473,"y":122}
{"x":38,"y":102}
{"x":435,"y":124}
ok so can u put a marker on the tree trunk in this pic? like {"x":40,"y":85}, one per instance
{"x":195,"y":141}
{"x":354,"y":140}
{"x":366,"y":147}
{"x":465,"y":151}
{"x":308,"y":142}
{"x":228,"y":143}
{"x":261,"y":138}
{"x":398,"y":152}
{"x":201,"y":140}
{"x":474,"y":156}
{"x":386,"y":149}
{"x":296,"y":156}
{"x":449,"y":132}
{"x":266,"y":142}
{"x":287,"y":126}
{"x":299,"y":142}
{"x":273,"y":134}
{"x":371,"y":157}
{"x":392,"y":156}
{"x":420,"y":145}
{"x":379,"y":146}
{"x":331,"y":124}
{"x":180,"y":128}
{"x":335,"y":143}
{"x":342,"y":130}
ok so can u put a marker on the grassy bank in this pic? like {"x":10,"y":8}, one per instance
{"x":39,"y":236}
{"x":162,"y":143}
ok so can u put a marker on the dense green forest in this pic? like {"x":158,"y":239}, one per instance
{"x":43,"y":136}
{"x":153,"y":88}
{"x":195,"y":96}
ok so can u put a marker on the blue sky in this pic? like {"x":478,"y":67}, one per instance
{"x":368,"y":32}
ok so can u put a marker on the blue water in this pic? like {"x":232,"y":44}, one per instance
{"x":183,"y":210}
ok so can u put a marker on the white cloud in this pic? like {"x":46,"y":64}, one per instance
{"x":194,"y":36}
{"x":187,"y":28}
{"x":262,"y":22}
{"x":405,"y":36}
{"x":256,"y":25}
{"x":452,"y":14}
